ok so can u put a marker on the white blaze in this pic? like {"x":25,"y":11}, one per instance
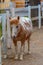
{"x":14,"y":30}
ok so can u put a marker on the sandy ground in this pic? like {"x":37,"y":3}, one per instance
{"x":36,"y":47}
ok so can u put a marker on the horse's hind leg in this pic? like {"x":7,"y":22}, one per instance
{"x":29,"y":52}
{"x":28,"y":47}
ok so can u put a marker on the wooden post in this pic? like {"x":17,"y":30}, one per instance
{"x":4,"y":35}
{"x":39,"y":14}
{"x":12,"y":12}
{"x":12,"y":9}
{"x":42,"y":7}
{"x":8,"y":31}
{"x":29,"y":12}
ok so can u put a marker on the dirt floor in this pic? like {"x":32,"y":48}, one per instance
{"x":36,"y":47}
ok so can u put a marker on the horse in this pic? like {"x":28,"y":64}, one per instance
{"x":21,"y":31}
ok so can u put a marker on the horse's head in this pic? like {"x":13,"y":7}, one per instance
{"x":15,"y":26}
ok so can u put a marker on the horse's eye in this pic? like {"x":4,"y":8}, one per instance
{"x":16,"y":26}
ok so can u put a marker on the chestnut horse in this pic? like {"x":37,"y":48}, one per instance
{"x":21,"y":31}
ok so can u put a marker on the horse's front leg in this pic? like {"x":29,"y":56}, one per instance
{"x":16,"y":51}
{"x":22,"y":51}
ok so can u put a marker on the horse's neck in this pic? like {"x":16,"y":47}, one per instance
{"x":22,"y":25}
{"x":22,"y":22}
{"x":20,"y":29}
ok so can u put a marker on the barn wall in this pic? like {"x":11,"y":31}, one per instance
{"x":19,"y":3}
{"x":2,"y":5}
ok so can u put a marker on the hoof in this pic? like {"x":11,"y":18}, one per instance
{"x":4,"y":56}
{"x":29,"y":52}
{"x":16,"y":57}
{"x":21,"y":57}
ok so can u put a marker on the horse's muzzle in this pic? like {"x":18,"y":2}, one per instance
{"x":13,"y":37}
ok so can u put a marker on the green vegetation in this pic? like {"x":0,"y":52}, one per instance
{"x":2,"y":11}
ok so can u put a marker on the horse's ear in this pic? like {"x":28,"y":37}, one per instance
{"x":18,"y":17}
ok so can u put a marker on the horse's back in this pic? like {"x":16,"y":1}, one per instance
{"x":26,"y":23}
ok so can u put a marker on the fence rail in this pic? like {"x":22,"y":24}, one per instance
{"x":24,"y":11}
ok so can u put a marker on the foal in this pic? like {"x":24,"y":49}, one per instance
{"x":21,"y":31}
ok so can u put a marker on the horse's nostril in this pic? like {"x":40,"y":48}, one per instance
{"x":14,"y":37}
{"x":16,"y":26}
